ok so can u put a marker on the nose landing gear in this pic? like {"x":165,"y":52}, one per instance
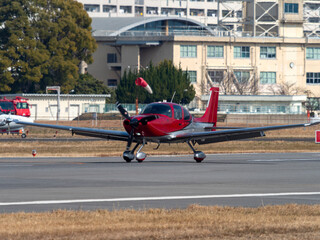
{"x":128,"y":155}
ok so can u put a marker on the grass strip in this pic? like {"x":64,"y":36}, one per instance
{"x":196,"y":222}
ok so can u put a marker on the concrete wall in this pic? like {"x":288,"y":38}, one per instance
{"x":263,"y":119}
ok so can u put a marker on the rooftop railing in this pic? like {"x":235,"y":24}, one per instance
{"x":180,"y":32}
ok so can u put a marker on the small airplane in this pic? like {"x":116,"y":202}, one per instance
{"x":9,"y":124}
{"x":167,"y":122}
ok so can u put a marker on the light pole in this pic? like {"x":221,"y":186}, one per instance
{"x":55,"y":88}
{"x":72,"y":91}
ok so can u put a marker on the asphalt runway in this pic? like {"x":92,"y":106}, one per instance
{"x":250,"y":180}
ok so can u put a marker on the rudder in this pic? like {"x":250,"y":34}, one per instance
{"x":211,"y":115}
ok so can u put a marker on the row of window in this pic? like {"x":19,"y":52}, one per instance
{"x":241,"y":76}
{"x":155,"y":10}
{"x":190,"y":51}
{"x":244,"y":76}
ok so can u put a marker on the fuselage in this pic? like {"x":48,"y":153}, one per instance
{"x":170,"y":119}
{"x":6,"y":119}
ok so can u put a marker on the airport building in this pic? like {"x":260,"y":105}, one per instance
{"x":208,"y":12}
{"x":274,"y":49}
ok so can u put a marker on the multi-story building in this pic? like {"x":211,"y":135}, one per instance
{"x":273,"y":55}
{"x":227,"y":14}
{"x":208,"y":12}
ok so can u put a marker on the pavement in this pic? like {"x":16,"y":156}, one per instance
{"x":249,"y":180}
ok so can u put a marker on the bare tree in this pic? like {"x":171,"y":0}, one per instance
{"x":286,"y":88}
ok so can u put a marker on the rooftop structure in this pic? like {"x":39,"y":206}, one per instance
{"x":221,"y":14}
{"x":208,"y":12}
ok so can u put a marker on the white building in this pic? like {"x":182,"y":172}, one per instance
{"x":45,"y":106}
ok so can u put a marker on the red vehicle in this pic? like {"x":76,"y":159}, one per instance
{"x":17,"y":106}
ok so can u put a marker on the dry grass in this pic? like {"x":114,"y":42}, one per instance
{"x":112,"y":148}
{"x":195,"y":222}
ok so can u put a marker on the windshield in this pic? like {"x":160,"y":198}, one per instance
{"x":21,"y":105}
{"x":6,"y":106}
{"x":158,"y":108}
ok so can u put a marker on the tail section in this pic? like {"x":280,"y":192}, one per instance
{"x":210,"y":116}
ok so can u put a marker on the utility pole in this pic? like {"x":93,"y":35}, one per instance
{"x":55,"y":88}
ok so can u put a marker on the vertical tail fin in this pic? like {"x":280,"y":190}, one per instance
{"x":210,"y":116}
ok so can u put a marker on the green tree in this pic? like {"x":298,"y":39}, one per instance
{"x":164,"y":79}
{"x":87,"y":84}
{"x":42,"y":42}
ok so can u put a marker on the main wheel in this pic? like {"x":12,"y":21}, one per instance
{"x":128,"y":156}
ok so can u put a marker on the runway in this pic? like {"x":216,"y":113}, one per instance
{"x":250,"y":180}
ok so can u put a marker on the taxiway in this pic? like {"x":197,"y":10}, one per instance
{"x":42,"y":184}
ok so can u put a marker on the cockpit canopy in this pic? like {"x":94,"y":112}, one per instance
{"x":165,"y":109}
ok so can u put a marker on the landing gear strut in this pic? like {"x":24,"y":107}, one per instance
{"x":198,"y":155}
{"x":141,"y":155}
{"x":128,"y":155}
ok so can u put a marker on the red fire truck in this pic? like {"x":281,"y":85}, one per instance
{"x":15,"y":106}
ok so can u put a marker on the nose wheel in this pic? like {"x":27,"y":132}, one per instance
{"x":197,"y":155}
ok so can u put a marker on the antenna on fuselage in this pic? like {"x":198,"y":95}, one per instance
{"x":173,"y":96}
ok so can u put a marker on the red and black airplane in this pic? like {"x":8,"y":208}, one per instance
{"x":170,"y":123}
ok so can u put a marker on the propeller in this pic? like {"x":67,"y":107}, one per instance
{"x":133,"y":122}
{"x":8,"y":120}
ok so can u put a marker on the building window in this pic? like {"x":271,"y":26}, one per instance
{"x":215,"y":51}
{"x":109,"y":8}
{"x":192,"y":76}
{"x":125,"y":9}
{"x":112,"y":82}
{"x":92,"y":8}
{"x":152,"y":10}
{"x":291,"y":8}
{"x":138,"y":11}
{"x":267,"y":77}
{"x":212,"y":13}
{"x":216,"y":76}
{"x":188,"y":51}
{"x":313,"y":77}
{"x":313,"y":53}
{"x":196,"y":12}
{"x":242,"y":76}
{"x":111,"y":58}
{"x":267,"y":52}
{"x":241,"y":52}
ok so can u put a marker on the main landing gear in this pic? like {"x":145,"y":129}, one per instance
{"x":198,"y":155}
{"x":128,"y":155}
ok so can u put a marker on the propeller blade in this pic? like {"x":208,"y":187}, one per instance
{"x":9,"y":127}
{"x":8,"y":121}
{"x":123,"y":112}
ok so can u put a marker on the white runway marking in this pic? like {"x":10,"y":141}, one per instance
{"x":158,"y":198}
{"x":282,"y":160}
